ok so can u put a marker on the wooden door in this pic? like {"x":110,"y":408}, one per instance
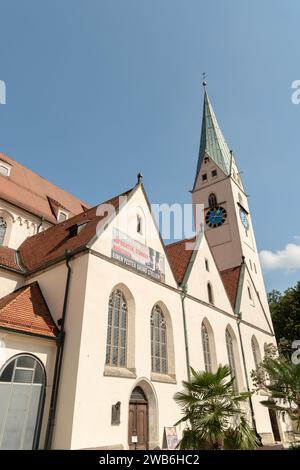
{"x":274,"y":424}
{"x":138,"y":426}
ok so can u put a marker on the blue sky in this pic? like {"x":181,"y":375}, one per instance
{"x":98,"y":90}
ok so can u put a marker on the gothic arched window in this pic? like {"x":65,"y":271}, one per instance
{"x":212,"y":201}
{"x":159,"y":357}
{"x":3,"y":227}
{"x":206,"y":348}
{"x":116,"y":344}
{"x":231,"y":358}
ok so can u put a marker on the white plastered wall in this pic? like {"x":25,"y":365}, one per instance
{"x":9,"y":281}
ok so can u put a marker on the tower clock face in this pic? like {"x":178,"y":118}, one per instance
{"x":244,"y":219}
{"x":216,"y":217}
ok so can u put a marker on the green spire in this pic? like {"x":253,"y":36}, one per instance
{"x":212,"y":140}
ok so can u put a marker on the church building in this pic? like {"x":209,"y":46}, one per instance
{"x":100,"y":320}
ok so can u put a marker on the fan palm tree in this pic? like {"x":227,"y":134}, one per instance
{"x":213,"y":413}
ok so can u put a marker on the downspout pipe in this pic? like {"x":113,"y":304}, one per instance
{"x":40,"y":224}
{"x":187,"y":354}
{"x":238,"y":320}
{"x":246,"y":373}
{"x":59,"y":358}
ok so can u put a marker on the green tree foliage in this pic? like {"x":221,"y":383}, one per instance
{"x":280,"y":378}
{"x":285,"y":311}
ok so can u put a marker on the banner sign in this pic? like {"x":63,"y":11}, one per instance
{"x":138,"y":256}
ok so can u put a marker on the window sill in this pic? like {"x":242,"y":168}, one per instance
{"x":164,"y":378}
{"x":123,"y":372}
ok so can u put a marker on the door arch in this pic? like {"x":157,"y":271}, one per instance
{"x":143,"y":416}
{"x":138,"y":428}
{"x":22,"y":388}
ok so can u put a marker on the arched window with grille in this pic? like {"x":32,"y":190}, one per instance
{"x":206,"y":348}
{"x":210,"y":293}
{"x":116,"y":344}
{"x":255,"y":351}
{"x":212,"y":200}
{"x":3,"y":227}
{"x":231,"y":358}
{"x":159,"y":357}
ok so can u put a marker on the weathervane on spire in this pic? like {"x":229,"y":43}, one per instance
{"x":204,"y":76}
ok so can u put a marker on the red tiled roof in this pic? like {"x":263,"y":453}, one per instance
{"x":52,"y":244}
{"x":30,"y":191}
{"x":179,"y":258}
{"x":8,"y":258}
{"x":55,"y":206}
{"x":230,"y":278}
{"x":26,"y":310}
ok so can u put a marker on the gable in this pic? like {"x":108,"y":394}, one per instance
{"x":207,"y":167}
{"x":143,"y":251}
{"x":200,"y":277}
{"x":250,"y":306}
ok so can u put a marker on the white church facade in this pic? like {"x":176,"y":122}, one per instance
{"x":100,"y":320}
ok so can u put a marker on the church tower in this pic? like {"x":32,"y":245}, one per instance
{"x":219,"y":187}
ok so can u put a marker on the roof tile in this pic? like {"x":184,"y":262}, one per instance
{"x":30,"y":191}
{"x":179,"y":258}
{"x":52,"y":244}
{"x":26,"y":310}
{"x":8,"y":258}
{"x":230,"y":278}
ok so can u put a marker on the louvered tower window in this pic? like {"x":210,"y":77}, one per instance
{"x":212,"y":201}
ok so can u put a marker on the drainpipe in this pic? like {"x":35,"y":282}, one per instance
{"x":58,"y":360}
{"x":246,"y":373}
{"x":40,"y":224}
{"x":187,"y":355}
